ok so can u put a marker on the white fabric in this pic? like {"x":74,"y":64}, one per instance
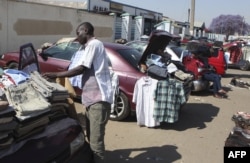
{"x":115,"y":87}
{"x":172,"y":68}
{"x":76,"y":60}
{"x":95,"y":54}
{"x":144,"y":99}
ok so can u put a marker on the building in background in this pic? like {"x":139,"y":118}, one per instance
{"x":131,"y":22}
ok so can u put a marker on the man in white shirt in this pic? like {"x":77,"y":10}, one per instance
{"x":96,"y":90}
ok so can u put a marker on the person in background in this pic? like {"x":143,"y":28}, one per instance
{"x":96,"y":87}
{"x":211,"y":76}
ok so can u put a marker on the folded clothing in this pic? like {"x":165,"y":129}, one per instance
{"x":25,"y":129}
{"x":179,"y":74}
{"x":236,"y":139}
{"x":25,"y":99}
{"x":242,"y":119}
{"x":3,"y":105}
{"x":8,"y":126}
{"x":9,"y":112}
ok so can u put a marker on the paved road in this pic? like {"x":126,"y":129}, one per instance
{"x":198,"y":136}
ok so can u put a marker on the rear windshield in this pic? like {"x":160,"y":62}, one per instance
{"x":132,"y":56}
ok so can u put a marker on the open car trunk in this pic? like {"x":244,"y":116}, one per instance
{"x":159,"y":39}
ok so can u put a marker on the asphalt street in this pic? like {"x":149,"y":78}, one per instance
{"x":198,"y":137}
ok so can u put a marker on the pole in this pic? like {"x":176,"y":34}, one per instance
{"x":192,"y":17}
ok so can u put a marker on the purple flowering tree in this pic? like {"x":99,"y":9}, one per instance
{"x":229,"y":25}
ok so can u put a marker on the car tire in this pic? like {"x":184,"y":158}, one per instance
{"x":121,"y":109}
{"x":13,"y":65}
{"x":245,"y":66}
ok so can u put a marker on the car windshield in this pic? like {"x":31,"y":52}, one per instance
{"x":64,"y":50}
{"x":140,"y":46}
{"x":132,"y":56}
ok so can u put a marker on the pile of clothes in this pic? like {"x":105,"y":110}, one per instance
{"x":238,"y":82}
{"x":7,"y":124}
{"x":240,"y":135}
{"x":34,"y":110}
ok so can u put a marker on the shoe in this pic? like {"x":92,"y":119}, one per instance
{"x":222,"y":91}
{"x":217,"y":96}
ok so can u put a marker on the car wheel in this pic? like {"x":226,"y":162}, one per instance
{"x":121,"y":108}
{"x":13,"y":65}
{"x":245,"y":65}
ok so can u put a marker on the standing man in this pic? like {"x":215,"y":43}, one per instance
{"x":96,"y":87}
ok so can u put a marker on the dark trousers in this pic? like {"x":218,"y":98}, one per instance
{"x":215,"y":78}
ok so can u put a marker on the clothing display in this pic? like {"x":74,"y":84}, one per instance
{"x":144,"y":99}
{"x":169,"y":96}
{"x":5,"y":81}
{"x":17,"y":75}
{"x":240,"y":134}
{"x":158,"y":100}
{"x":50,"y":90}
{"x":7,"y":127}
{"x":35,"y":120}
{"x":42,"y":145}
{"x":25,"y":99}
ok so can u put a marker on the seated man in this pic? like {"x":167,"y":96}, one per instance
{"x":210,"y":75}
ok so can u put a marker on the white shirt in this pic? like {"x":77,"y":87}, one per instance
{"x":76,"y":60}
{"x":144,"y":98}
{"x":96,"y":79}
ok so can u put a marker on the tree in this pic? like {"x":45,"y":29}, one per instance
{"x":229,"y":25}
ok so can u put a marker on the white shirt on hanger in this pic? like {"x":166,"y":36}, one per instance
{"x":143,"y":97}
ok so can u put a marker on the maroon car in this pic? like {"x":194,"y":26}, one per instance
{"x":123,"y":60}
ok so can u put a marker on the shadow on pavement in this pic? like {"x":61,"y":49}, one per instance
{"x":164,"y":154}
{"x":193,"y":115}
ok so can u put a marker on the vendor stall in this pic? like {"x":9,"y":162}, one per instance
{"x":37,"y":123}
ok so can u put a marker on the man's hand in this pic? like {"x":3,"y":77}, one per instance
{"x":50,"y":75}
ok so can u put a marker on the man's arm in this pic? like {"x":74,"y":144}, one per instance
{"x":70,"y":73}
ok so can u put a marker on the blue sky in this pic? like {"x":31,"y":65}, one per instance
{"x":205,"y":10}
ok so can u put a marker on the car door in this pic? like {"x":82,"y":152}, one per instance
{"x":57,"y":58}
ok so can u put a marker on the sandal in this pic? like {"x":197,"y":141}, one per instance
{"x":222,"y":91}
{"x":218,"y":96}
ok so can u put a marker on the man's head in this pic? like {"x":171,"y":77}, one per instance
{"x":199,"y":49}
{"x":84,"y":31}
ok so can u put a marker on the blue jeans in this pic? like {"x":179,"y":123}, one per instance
{"x":215,"y":78}
{"x":97,"y":116}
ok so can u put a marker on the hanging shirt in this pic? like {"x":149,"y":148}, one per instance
{"x":143,"y":97}
{"x":169,"y":96}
